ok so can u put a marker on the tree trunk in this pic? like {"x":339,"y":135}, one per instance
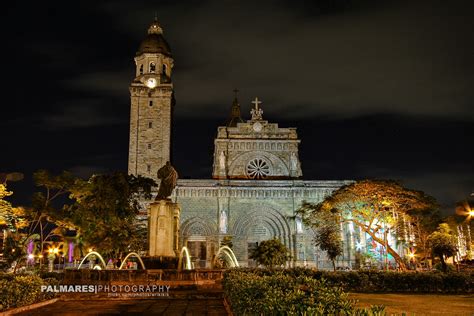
{"x":334,"y":265}
{"x":389,"y":249}
{"x":444,"y":267}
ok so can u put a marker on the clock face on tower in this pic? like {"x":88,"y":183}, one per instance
{"x":151,"y":83}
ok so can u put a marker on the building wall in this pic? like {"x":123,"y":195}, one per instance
{"x":249,"y":211}
{"x":150,"y":129}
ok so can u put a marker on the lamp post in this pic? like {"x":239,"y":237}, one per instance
{"x":51,"y":256}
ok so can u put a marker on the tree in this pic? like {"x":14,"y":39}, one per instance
{"x":270,"y":253}
{"x":328,"y":238}
{"x":327,"y":234}
{"x":47,"y":218}
{"x":443,"y":244}
{"x":8,"y":216}
{"x":372,"y":205}
{"x":422,"y":223}
{"x":105,"y":210}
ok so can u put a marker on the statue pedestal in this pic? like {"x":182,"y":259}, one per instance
{"x":163,"y":229}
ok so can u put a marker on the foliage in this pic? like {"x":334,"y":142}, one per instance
{"x":282,"y":294}
{"x":327,"y":235}
{"x":105,"y":210}
{"x":423,"y":223}
{"x":372,"y":205}
{"x":443,"y":243}
{"x":11,"y":217}
{"x":270,"y":253}
{"x":383,"y":281}
{"x":14,"y":249}
{"x":21,"y":290}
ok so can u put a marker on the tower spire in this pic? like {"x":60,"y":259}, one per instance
{"x":235,"y":111}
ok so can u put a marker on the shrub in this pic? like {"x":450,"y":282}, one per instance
{"x":20,"y":290}
{"x":384,"y":281}
{"x":252,"y":293}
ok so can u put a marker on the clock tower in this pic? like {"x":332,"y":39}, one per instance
{"x":152,"y":101}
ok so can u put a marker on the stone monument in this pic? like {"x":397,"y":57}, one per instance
{"x":163,"y":227}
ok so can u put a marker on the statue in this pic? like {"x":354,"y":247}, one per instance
{"x":293,"y":162}
{"x":299,"y":225}
{"x":169,"y":177}
{"x":223,"y":222}
{"x":222,"y":161}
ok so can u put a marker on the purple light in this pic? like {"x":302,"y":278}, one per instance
{"x":70,"y":251}
{"x":29,"y":251}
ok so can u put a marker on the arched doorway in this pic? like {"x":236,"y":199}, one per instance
{"x":255,"y":226}
{"x":196,"y":235}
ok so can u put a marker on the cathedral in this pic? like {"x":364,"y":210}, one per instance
{"x":256,"y":185}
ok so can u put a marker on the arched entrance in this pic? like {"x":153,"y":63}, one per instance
{"x":196,"y":235}
{"x":255,"y":226}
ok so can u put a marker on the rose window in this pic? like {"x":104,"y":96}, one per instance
{"x":258,"y":169}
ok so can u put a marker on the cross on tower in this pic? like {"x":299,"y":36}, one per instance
{"x":235,"y":92}
{"x":256,"y":112}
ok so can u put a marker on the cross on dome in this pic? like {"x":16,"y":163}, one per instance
{"x":257,"y":111}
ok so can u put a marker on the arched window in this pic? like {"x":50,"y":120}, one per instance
{"x":164,"y":69}
{"x":152,"y":67}
{"x":150,"y":103}
{"x":141,"y":69}
{"x":149,"y":146}
{"x":150,"y":124}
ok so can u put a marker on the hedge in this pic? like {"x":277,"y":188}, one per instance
{"x":21,"y":290}
{"x":281,"y":294}
{"x":385,"y":281}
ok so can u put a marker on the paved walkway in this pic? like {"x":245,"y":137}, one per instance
{"x":158,"y":306}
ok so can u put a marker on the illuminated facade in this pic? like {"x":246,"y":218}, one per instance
{"x":256,"y":184}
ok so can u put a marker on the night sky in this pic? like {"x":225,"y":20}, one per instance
{"x":377,"y":89}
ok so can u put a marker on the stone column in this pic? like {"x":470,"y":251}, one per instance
{"x":163,"y":229}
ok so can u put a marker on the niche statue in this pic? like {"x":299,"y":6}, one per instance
{"x":168,"y":176}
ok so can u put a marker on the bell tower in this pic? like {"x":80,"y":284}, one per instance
{"x":152,"y":101}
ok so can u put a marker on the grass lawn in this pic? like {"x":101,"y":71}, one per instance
{"x":418,"y":304}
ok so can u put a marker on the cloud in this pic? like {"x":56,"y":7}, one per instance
{"x":81,"y":114}
{"x":387,"y":59}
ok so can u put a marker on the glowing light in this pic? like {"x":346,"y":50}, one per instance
{"x":40,"y":256}
{"x":50,"y":250}
{"x":471,"y":213}
{"x":90,"y":249}
{"x":55,"y":250}
{"x":359,"y":246}
{"x":71,"y":251}
{"x":151,"y":83}
{"x":31,"y":256}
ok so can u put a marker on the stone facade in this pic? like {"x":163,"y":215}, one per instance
{"x":151,"y":94}
{"x":256,"y":150}
{"x":248,"y":211}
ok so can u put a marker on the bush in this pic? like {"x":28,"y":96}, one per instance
{"x":20,"y":290}
{"x":384,"y":281}
{"x":252,"y":293}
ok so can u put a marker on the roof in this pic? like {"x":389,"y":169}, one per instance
{"x":154,"y":42}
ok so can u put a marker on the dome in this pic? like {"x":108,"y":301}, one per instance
{"x":154,"y":43}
